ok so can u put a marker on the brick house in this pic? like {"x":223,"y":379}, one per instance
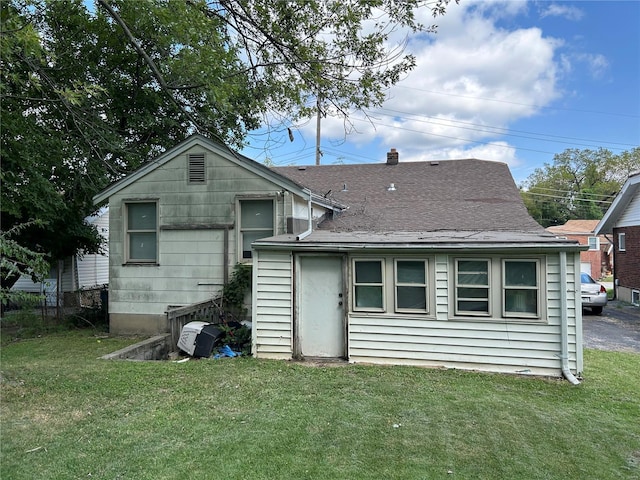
{"x":621,"y":224}
{"x":598,"y":260}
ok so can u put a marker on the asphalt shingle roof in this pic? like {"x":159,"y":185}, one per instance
{"x":451,"y":195}
{"x":584,"y":227}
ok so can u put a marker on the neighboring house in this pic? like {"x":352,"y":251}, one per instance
{"x":621,"y":224}
{"x":426,"y":263}
{"x":597,"y":261}
{"x":82,"y":272}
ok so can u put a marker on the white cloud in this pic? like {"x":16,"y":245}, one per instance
{"x":473,"y":81}
{"x":597,"y":65}
{"x":473,"y":75}
{"x":565,"y":11}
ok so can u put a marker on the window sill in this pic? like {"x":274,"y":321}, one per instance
{"x":141,"y":264}
{"x":393,"y":315}
{"x":517,"y":320}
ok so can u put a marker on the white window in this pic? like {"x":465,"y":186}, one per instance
{"x":622,"y":242}
{"x":141,"y":232}
{"x":411,"y":285}
{"x":498,"y":287}
{"x":256,"y":222}
{"x":472,"y":290}
{"x":594,"y":243}
{"x":196,"y":168}
{"x":520,"y":288}
{"x":368,"y":285}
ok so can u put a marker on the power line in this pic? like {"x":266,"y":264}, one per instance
{"x":628,"y":115}
{"x":466,"y":140}
{"x":505,"y":131}
{"x":576,"y":199}
{"x":568,"y":191}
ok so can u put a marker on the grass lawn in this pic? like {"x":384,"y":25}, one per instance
{"x":65,"y":414}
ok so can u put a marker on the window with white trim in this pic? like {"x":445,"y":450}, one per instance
{"x":368,"y":285}
{"x":141,"y":232}
{"x":256,"y":222}
{"x":594,"y":243}
{"x":622,"y":242}
{"x":472,"y":290}
{"x":521,"y":288}
{"x":498,"y":287}
{"x":411,"y":285}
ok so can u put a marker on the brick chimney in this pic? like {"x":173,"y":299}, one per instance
{"x":392,"y":157}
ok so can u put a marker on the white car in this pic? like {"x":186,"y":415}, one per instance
{"x":594,"y":295}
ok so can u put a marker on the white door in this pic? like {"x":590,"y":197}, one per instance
{"x":321,"y":307}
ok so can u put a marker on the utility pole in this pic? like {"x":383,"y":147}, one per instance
{"x":318,"y":152}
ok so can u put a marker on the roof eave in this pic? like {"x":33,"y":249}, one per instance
{"x":452,"y":246}
{"x":619,"y":204}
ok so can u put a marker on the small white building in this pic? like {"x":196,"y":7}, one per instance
{"x":82,"y":272}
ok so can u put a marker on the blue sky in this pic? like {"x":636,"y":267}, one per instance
{"x":511,"y":81}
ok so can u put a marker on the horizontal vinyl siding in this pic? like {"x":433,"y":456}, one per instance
{"x":631,"y":215}
{"x":512,"y":347}
{"x":191,"y":269}
{"x":93,"y":270}
{"x":496,"y":345}
{"x":273,"y":305}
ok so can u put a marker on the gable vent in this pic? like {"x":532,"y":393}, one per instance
{"x":196,"y":168}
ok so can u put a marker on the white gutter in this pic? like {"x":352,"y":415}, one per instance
{"x":564,"y":336}
{"x":309,"y":229}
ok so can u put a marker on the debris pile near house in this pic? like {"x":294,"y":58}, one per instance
{"x":197,"y":338}
{"x":203,"y":340}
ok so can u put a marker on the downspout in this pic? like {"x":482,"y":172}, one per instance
{"x":309,"y":229}
{"x":564,"y":321}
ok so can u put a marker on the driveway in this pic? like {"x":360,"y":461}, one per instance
{"x":617,"y":329}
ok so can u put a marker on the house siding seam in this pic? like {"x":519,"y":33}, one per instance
{"x":273,"y":305}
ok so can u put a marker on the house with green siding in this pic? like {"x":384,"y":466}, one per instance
{"x":422,"y":263}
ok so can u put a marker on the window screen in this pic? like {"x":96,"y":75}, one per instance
{"x":521,"y":286}
{"x":368,"y":285}
{"x":142,"y":231}
{"x":472,"y":286}
{"x":256,"y":221}
{"x":411,"y":285}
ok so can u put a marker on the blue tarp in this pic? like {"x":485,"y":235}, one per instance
{"x":226,"y":352}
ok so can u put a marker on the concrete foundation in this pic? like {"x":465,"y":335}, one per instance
{"x":154,"y":348}
{"x":137,"y":324}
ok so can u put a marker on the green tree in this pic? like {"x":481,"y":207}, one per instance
{"x":91,"y":91}
{"x":16,"y":260}
{"x":580,"y":184}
